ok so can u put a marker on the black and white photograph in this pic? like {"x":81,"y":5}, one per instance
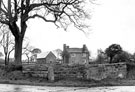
{"x":67,"y":45}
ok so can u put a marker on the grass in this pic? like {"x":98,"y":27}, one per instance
{"x":70,"y":82}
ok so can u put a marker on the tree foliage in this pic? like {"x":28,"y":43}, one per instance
{"x":122,"y":57}
{"x":101,"y":57}
{"x":113,"y":50}
{"x":58,"y":53}
{"x":36,"y":51}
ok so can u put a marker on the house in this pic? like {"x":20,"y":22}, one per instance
{"x":75,"y":55}
{"x":46,"y":58}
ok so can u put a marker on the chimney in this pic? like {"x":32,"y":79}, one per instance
{"x":67,"y":47}
{"x":64,"y":47}
{"x":84,"y":48}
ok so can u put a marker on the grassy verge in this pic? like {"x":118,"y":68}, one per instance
{"x":69,"y":82}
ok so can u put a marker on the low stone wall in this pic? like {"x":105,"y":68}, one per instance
{"x":66,"y":71}
{"x":131,"y":70}
{"x":39,"y":70}
{"x":102,"y":71}
{"x":91,"y":71}
{"x":36,"y":70}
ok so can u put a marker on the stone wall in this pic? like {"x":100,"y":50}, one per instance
{"x":94,"y":71}
{"x":36,"y":70}
{"x":91,"y":71}
{"x":39,"y":70}
{"x":131,"y":70}
{"x":102,"y":71}
{"x":69,"y":71}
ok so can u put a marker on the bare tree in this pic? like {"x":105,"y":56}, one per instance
{"x":35,"y":52}
{"x":7,"y":42}
{"x":58,"y":53}
{"x":31,"y":52}
{"x":27,"y":50}
{"x":15,"y":14}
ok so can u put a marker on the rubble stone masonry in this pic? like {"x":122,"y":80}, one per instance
{"x":90,"y":71}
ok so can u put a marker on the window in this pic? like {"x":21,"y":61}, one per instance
{"x":51,"y":62}
{"x":72,"y":62}
{"x":73,"y":55}
{"x":84,"y":61}
{"x":84,"y":55}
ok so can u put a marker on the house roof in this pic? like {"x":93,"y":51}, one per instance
{"x":74,"y":50}
{"x":43,"y":55}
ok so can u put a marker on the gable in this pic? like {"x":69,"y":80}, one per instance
{"x":46,"y":54}
{"x":50,"y":55}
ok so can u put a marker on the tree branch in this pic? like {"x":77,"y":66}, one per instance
{"x":39,"y":16}
{"x":14,"y":29}
{"x":50,"y":4}
{"x":9,"y":10}
{"x":2,"y":10}
{"x":15,"y":9}
{"x":4,"y":5}
{"x":4,"y":22}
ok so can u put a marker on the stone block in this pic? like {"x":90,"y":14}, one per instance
{"x":50,"y":74}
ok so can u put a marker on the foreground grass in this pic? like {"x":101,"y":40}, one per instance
{"x":70,"y":82}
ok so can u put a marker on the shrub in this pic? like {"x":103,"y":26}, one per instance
{"x":122,"y":57}
{"x":13,"y":67}
{"x":15,"y":75}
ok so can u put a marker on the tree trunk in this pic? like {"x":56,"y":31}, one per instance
{"x":111,"y":58}
{"x":18,"y":52}
{"x":28,"y":58}
{"x":19,"y":35}
{"x":6,"y":52}
{"x":6,"y":62}
{"x":8,"y":56}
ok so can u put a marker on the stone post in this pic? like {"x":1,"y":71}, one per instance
{"x":87,"y":74}
{"x":50,"y":74}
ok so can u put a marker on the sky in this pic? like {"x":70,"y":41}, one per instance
{"x":112,"y":21}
